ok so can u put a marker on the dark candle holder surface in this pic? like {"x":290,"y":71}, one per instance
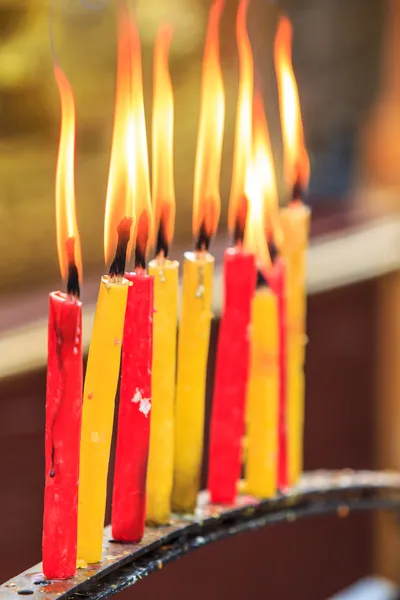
{"x":122,"y":565}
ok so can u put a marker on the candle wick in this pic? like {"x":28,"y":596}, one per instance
{"x":73,"y":288}
{"x":240,"y":222}
{"x":262,"y":281}
{"x":203,"y":240}
{"x":200,"y":286}
{"x":117,"y":268}
{"x":162,"y":244}
{"x":140,"y":259}
{"x":297,"y":191}
{"x":273,"y":251}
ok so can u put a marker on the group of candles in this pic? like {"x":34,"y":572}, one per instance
{"x":258,"y":403}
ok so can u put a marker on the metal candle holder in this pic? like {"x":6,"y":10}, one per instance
{"x":122,"y":565}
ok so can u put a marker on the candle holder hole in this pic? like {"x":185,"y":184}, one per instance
{"x":25,"y":592}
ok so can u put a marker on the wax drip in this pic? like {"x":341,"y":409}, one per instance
{"x":59,"y":342}
{"x":200,"y":285}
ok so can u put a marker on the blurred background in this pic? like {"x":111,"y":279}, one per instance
{"x":346,"y":59}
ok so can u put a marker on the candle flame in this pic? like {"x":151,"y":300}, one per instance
{"x":243,"y":132}
{"x":297,"y":166}
{"x":128,"y":191}
{"x":68,"y":242}
{"x":207,"y":202}
{"x":162,"y":142}
{"x":262,"y":222}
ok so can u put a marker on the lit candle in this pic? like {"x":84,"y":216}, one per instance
{"x":194,"y":331}
{"x":295,"y":221}
{"x":64,"y":367}
{"x":103,"y":365}
{"x":228,"y":408}
{"x":133,"y":434}
{"x":165,"y":273}
{"x":265,"y":395}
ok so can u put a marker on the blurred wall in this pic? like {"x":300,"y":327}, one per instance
{"x":336,"y":53}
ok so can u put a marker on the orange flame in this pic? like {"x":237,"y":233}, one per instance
{"x":262,"y":220}
{"x":162,"y":138}
{"x":243,"y":134}
{"x":68,"y":242}
{"x":207,"y":202}
{"x":128,"y":191}
{"x":297,"y":166}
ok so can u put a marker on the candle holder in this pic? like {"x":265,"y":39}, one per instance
{"x":123,"y":565}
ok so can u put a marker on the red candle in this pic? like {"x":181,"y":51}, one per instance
{"x":228,"y":409}
{"x":64,"y":367}
{"x":63,"y":427}
{"x":277,"y":281}
{"x":129,"y":493}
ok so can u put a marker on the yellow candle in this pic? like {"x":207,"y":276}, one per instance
{"x":263,"y":397}
{"x":161,"y":455}
{"x":101,"y":382}
{"x":194,"y":335}
{"x":295,"y":221}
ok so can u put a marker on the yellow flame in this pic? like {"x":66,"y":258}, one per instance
{"x":66,"y":223}
{"x":297,"y":166}
{"x":206,"y":202}
{"x":162,"y":137}
{"x":243,"y":132}
{"x":128,"y":191}
{"x":262,"y":222}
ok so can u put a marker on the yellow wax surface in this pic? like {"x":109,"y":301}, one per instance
{"x":263,"y":397}
{"x":194,"y":335}
{"x":161,"y":455}
{"x":295,"y":222}
{"x":101,"y":382}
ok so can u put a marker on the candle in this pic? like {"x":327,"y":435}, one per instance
{"x":64,"y":367}
{"x":263,"y":396}
{"x":133,"y":436}
{"x":165,"y":272}
{"x":129,"y":491}
{"x":228,"y":408}
{"x":277,"y":280}
{"x":295,"y":224}
{"x":194,"y":331}
{"x":103,"y":365}
{"x":265,"y":409}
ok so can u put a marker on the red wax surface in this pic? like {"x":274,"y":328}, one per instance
{"x":277,"y":281}
{"x":129,"y":493}
{"x":62,"y":440}
{"x":232,"y":365}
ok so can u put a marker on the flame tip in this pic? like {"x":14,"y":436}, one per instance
{"x":128,"y":191}
{"x":295,"y":155}
{"x":68,"y":244}
{"x":125,"y":225}
{"x":163,"y":188}
{"x":206,"y":199}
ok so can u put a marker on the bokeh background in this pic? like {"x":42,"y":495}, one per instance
{"x":347,"y":62}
